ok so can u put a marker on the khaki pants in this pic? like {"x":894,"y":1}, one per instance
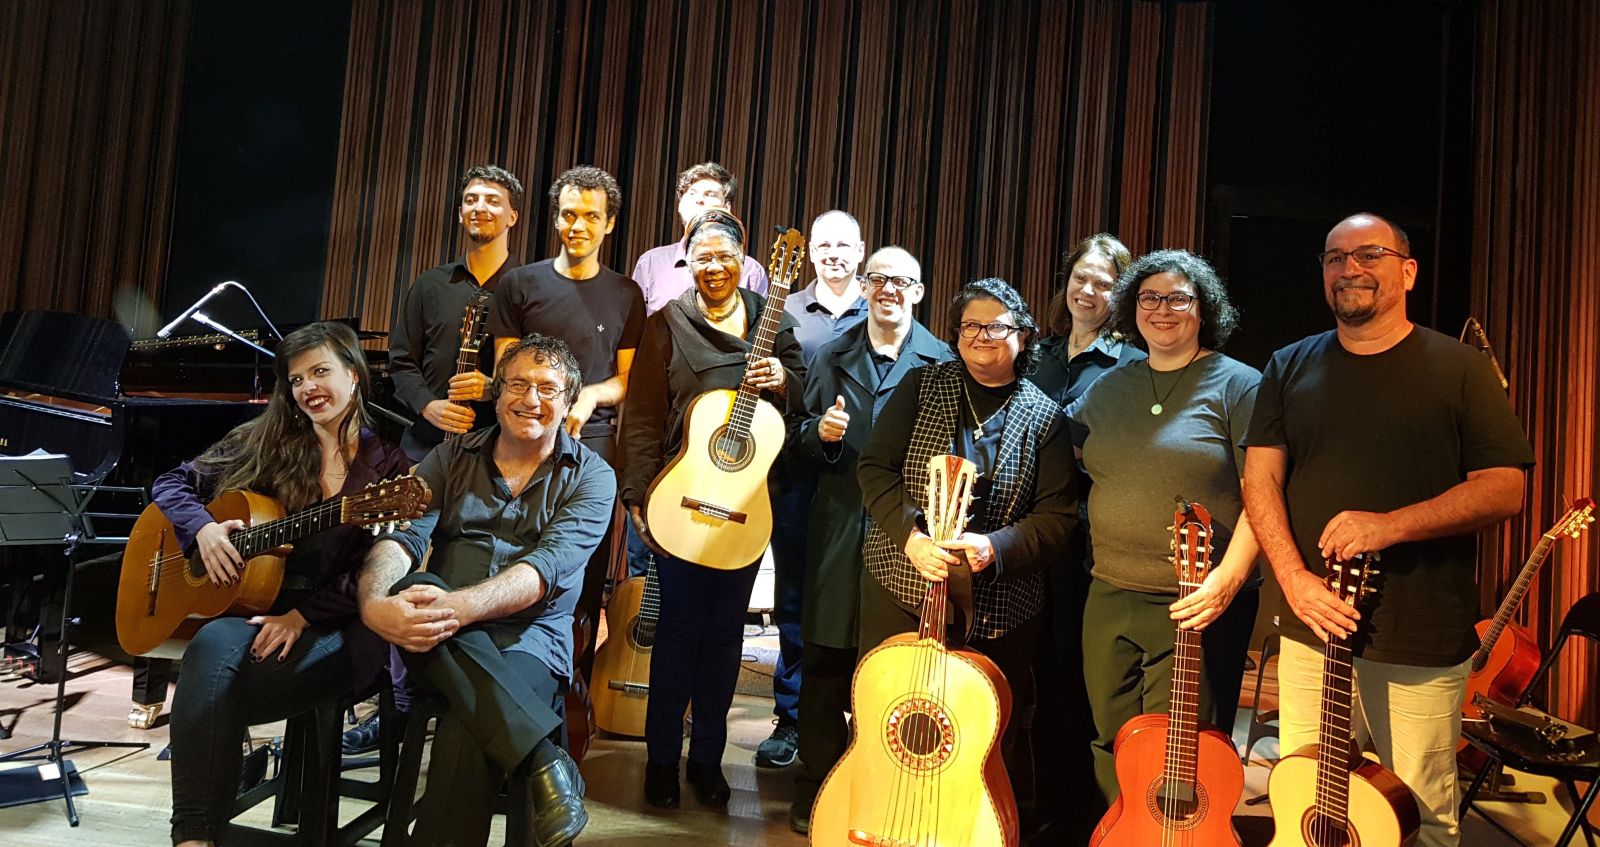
{"x":1411,"y":714}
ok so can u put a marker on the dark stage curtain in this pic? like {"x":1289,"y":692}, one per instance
{"x":986,"y":137}
{"x":1536,"y":285}
{"x":89,"y":96}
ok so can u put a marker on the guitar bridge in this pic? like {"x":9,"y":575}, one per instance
{"x":711,"y":510}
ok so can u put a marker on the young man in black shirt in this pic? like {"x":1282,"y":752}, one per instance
{"x":598,"y":312}
{"x":424,"y":345}
{"x":1382,"y":436}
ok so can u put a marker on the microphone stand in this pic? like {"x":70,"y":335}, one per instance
{"x":255,"y":379}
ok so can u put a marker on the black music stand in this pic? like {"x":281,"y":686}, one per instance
{"x":39,"y":504}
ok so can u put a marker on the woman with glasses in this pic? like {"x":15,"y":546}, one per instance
{"x":1169,"y":425}
{"x":982,"y":408}
{"x":698,"y":342}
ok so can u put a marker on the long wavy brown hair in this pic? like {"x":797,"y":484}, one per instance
{"x":277,"y":454}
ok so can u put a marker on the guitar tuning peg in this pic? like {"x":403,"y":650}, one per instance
{"x":375,"y":529}
{"x":1373,"y":572}
{"x":1172,"y":528}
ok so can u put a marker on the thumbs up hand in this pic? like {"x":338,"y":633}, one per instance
{"x":834,"y":421}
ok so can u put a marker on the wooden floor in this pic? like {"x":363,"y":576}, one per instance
{"x":129,"y":794}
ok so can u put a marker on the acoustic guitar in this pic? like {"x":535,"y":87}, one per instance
{"x":1180,"y":779}
{"x":161,"y":588}
{"x":1508,"y":655}
{"x":1327,"y":794}
{"x":474,"y":333}
{"x":622,"y":667}
{"x":924,"y":766}
{"x":710,"y":505}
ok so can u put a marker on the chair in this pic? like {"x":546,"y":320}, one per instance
{"x":1261,"y":722}
{"x":309,"y":782}
{"x":1530,"y":756}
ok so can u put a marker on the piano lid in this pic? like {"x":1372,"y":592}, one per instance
{"x":62,"y":353}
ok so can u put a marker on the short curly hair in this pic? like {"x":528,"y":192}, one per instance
{"x":711,"y":171}
{"x":545,"y":350}
{"x":498,"y":176}
{"x":586,"y":178}
{"x":1218,"y":317}
{"x":994,"y":288}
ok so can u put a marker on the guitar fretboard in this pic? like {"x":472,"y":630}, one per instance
{"x":258,"y":539}
{"x":1333,"y":732}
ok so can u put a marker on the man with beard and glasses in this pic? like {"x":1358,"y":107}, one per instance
{"x":425,"y":344}
{"x":1382,"y":437}
{"x":598,"y":312}
{"x":826,"y":308}
{"x":848,"y":381}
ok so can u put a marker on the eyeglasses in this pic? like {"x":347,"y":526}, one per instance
{"x":895,"y":283}
{"x":724,"y":259}
{"x":1367,"y":255}
{"x":995,"y":331}
{"x":1177,"y":301}
{"x":520,"y":387}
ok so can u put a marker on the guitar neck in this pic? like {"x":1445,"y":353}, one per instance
{"x":1183,"y":719}
{"x":258,"y":539}
{"x":744,"y":405}
{"x":934,"y":607}
{"x":1333,"y":733}
{"x":650,"y":603}
{"x":1513,"y":599}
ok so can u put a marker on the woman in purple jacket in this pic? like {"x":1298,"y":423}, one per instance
{"x":311,"y":443}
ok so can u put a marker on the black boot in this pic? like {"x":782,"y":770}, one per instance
{"x":557,"y":796}
{"x":661,"y":785}
{"x":708,"y":784}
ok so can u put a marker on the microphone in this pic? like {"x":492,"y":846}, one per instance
{"x":1483,"y":344}
{"x":167,"y":330}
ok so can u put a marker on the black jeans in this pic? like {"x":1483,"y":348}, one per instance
{"x":221,"y":693}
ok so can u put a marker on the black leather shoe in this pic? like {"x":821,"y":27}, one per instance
{"x":557,"y":796}
{"x":708,"y":784}
{"x":800,"y":817}
{"x":661,"y":786}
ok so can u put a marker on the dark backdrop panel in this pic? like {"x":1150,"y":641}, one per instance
{"x":257,"y":148}
{"x":986,"y":137}
{"x":89,"y":96}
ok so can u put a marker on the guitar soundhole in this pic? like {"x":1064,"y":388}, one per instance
{"x":1178,"y":804}
{"x":731,"y":451}
{"x":1318,"y":830}
{"x":920,"y":735}
{"x":197,"y":569}
{"x":643,"y":633}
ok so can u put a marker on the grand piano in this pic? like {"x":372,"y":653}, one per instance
{"x":124,"y":412}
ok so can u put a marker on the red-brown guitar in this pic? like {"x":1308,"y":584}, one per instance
{"x":1180,"y":779}
{"x":1507,"y":654}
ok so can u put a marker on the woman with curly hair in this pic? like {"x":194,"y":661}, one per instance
{"x":1168,"y":425}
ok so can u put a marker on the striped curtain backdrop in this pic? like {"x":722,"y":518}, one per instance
{"x":89,"y":95}
{"x":986,"y":136}
{"x":1536,"y":285}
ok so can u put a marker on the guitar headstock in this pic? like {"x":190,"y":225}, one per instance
{"x":1352,"y":580}
{"x":475,"y":324}
{"x":1191,"y":543}
{"x":1577,"y":519}
{"x":788,"y":258}
{"x":386,"y":504}
{"x":950,"y":482}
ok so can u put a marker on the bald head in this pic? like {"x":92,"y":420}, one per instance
{"x":1398,"y":240}
{"x":892,"y":304}
{"x":836,"y":248}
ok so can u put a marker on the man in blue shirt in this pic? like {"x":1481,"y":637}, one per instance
{"x":517,"y":510}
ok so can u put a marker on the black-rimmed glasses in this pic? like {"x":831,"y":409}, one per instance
{"x":895,"y":283}
{"x":1367,"y":255}
{"x":1177,"y":301}
{"x":994,"y":331}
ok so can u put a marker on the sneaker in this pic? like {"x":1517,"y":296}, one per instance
{"x":361,"y":738}
{"x":781,"y":748}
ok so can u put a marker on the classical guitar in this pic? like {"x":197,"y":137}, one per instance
{"x":622,"y":666}
{"x":474,"y":333}
{"x":1326,"y":794}
{"x":1508,"y":655}
{"x":924,"y":766}
{"x":161,"y":588}
{"x":710,"y":505}
{"x":1180,"y":779}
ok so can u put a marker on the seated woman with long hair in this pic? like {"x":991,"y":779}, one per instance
{"x":311,"y":443}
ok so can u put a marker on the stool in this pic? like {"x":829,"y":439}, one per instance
{"x":427,"y":706}
{"x":308,"y":783}
{"x":1261,"y":722}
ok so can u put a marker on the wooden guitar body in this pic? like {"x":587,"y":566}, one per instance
{"x":622,"y":666}
{"x":710,"y":506}
{"x":1512,"y":662}
{"x":1382,"y":811}
{"x":159,"y":589}
{"x":1139,"y":816}
{"x":921,"y":770}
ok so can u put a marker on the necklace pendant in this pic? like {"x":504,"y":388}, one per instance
{"x":1156,"y":409}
